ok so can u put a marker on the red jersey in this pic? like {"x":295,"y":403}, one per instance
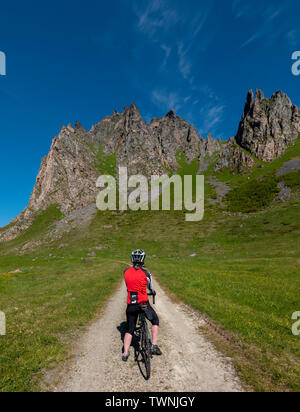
{"x":137,"y":281}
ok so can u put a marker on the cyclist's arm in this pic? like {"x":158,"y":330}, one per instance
{"x":150,"y":282}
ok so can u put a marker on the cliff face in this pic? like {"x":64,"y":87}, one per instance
{"x":129,"y":137}
{"x":149,"y":149}
{"x":172,"y":134}
{"x":68,"y":174}
{"x":234,"y":158}
{"x":268,"y":126}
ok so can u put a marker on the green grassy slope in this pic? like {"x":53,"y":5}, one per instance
{"x":45,"y":305}
{"x":245,"y":278}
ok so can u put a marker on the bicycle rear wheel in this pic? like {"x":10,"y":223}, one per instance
{"x":146,"y":346}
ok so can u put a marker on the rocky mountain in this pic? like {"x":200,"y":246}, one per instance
{"x":129,"y":137}
{"x":234,"y":158}
{"x":69,"y":172}
{"x":268,"y":126}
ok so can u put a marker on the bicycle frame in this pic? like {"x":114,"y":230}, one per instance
{"x":145,"y":341}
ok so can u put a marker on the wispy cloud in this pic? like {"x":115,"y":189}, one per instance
{"x":293,"y":37}
{"x":184,"y":48}
{"x":166,"y":100}
{"x":167,"y":50}
{"x":156,"y":16}
{"x":184,"y":63}
{"x":161,"y":21}
{"x":241,"y":8}
{"x":199,"y":21}
{"x":164,"y":22}
{"x":254,"y":37}
{"x":208,"y":92}
{"x":272,"y":12}
{"x":211,"y":117}
{"x":268,"y":30}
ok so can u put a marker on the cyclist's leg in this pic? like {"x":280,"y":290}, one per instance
{"x":155,"y":325}
{"x":127,"y":343}
{"x":132,"y":315}
{"x":155,"y":330}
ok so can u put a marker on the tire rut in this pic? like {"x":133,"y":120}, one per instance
{"x":189,"y":362}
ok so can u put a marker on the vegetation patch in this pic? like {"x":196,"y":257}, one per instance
{"x":43,"y":221}
{"x":46,"y":305}
{"x":252,"y":196}
{"x":291,"y":179}
{"x":241,"y":271}
{"x":186,"y":168}
{"x":244,"y":277}
{"x":106,"y":164}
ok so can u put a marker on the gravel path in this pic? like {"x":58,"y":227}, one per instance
{"x":189,"y":361}
{"x":290,"y":166}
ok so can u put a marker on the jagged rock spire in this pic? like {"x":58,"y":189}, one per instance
{"x":171,"y":114}
{"x":78,"y":126}
{"x":68,"y":174}
{"x":268,"y":125}
{"x":132,"y":116}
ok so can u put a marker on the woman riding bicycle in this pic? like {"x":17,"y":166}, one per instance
{"x":137,"y":280}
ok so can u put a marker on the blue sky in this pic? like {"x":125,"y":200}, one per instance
{"x":79,"y":60}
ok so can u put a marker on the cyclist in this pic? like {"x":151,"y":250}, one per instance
{"x":137,"y":280}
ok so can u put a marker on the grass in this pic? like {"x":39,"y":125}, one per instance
{"x":253,"y":195}
{"x":55,"y":295}
{"x":244,"y":296}
{"x":106,"y":164}
{"x":245,"y":278}
{"x":45,"y":305}
{"x":261,"y":169}
{"x":184,"y":167}
{"x":254,"y":191}
{"x":291,"y":179}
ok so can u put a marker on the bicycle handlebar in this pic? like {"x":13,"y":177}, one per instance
{"x":151,"y":294}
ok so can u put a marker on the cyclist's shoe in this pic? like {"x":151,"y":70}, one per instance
{"x":125,"y":357}
{"x":156,"y":350}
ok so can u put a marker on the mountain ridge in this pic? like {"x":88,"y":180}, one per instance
{"x":68,"y":173}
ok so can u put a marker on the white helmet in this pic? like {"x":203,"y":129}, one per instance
{"x":138,"y":257}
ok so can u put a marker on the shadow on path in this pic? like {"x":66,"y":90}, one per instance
{"x":138,"y":355}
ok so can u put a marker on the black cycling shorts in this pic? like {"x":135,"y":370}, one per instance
{"x":132,"y":314}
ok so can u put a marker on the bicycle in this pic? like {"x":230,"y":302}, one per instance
{"x":145,"y":341}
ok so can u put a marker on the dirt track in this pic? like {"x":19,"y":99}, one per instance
{"x":189,"y":361}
